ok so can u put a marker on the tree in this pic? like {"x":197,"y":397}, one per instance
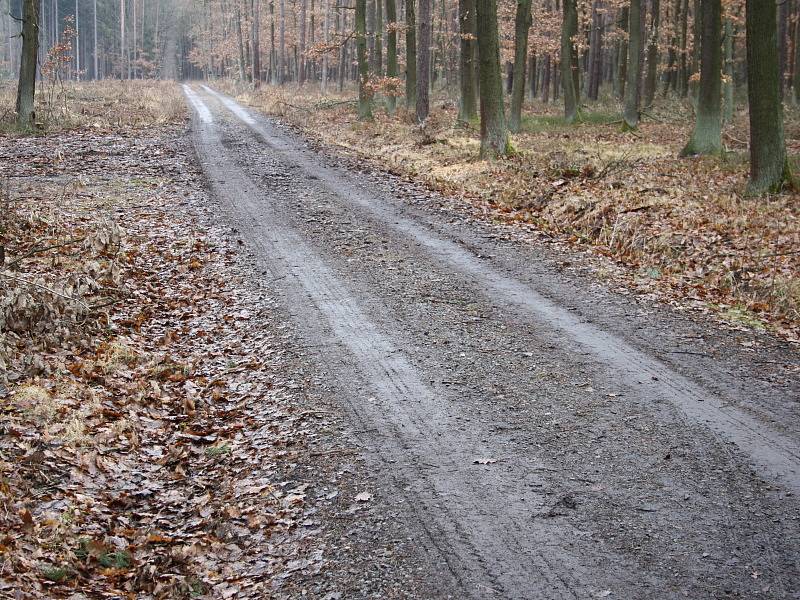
{"x":411,"y":55}
{"x":707,"y":135}
{"x":423,"y":60}
{"x":256,"y":42}
{"x":522,"y":24}
{"x":364,"y":92}
{"x":391,"y":50}
{"x":622,"y":54}
{"x":468,"y":23}
{"x":630,"y":115}
{"x":494,"y":137}
{"x":727,"y":69}
{"x":26,"y":88}
{"x":769,"y":166}
{"x":652,"y":54}
{"x":569,"y":29}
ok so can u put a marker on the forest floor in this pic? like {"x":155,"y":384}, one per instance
{"x":680,"y":229}
{"x":242,"y":363}
{"x":156,"y":438}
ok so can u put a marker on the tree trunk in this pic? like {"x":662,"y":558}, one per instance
{"x":423,"y":60}
{"x":796,"y":70}
{"x":595,"y":52}
{"x":671,"y":76}
{"x":707,"y":135}
{"x":301,"y":78}
{"x":546,"y":79}
{"x":371,"y":33}
{"x":633,"y":72}
{"x":569,"y":29}
{"x":123,"y":49}
{"x":364,"y":93}
{"x":411,"y":55}
{"x":683,"y":73}
{"x":323,"y":82}
{"x":652,"y":55}
{"x":696,"y":44}
{"x":769,"y":167}
{"x":256,"y":35}
{"x":282,"y":42}
{"x":727,"y":69}
{"x":94,"y":41}
{"x":26,"y":88}
{"x":241,"y":43}
{"x":494,"y":137}
{"x":379,"y":38}
{"x":468,"y":23}
{"x":522,"y":24}
{"x":391,"y":52}
{"x":622,"y":55}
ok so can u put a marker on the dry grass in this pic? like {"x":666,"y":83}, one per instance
{"x":682,"y":227}
{"x":99,"y":104}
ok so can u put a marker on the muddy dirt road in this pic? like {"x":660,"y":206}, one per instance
{"x":539,"y":436}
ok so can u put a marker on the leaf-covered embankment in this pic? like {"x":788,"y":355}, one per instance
{"x":149,"y":414}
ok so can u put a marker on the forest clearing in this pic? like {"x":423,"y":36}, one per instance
{"x":366,"y":299}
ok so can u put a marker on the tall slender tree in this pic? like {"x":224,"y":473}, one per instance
{"x":468,"y":82}
{"x":364,"y":91}
{"x":769,"y":166}
{"x":569,"y":29}
{"x":411,"y":55}
{"x":494,"y":136}
{"x":630,"y":115}
{"x":652,"y":53}
{"x":391,"y":51}
{"x":26,"y":87}
{"x":522,"y":25}
{"x":424,"y":26}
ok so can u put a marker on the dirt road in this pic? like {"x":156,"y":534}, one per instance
{"x":540,"y":436}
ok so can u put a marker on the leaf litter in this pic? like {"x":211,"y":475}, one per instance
{"x":148,"y":413}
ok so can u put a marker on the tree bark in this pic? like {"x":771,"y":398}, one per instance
{"x":683,"y":73}
{"x":256,"y":35}
{"x":379,"y":38}
{"x":364,"y":92}
{"x":123,"y":49}
{"x":796,"y":70}
{"x":94,"y":41}
{"x":707,"y":135}
{"x":727,"y":69}
{"x":652,"y":55}
{"x":633,"y":72}
{"x":622,"y":53}
{"x":301,"y":77}
{"x":391,"y":51}
{"x":323,"y":81}
{"x":522,"y":24}
{"x":26,"y":87}
{"x":282,"y":42}
{"x":411,"y":55}
{"x":423,"y":60}
{"x":494,"y":137}
{"x":769,"y":167}
{"x":569,"y":29}
{"x":468,"y":23}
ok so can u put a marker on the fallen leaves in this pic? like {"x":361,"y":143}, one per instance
{"x":146,"y":453}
